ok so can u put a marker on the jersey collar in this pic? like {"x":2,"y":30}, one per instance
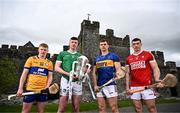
{"x":137,"y":53}
{"x":74,"y":52}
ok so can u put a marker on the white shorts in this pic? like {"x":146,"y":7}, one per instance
{"x":76,"y":87}
{"x":145,"y":95}
{"x":108,"y":92}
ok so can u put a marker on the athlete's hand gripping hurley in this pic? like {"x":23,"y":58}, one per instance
{"x":169,"y":80}
{"x":53,"y":89}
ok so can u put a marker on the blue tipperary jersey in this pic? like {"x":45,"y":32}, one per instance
{"x":105,"y":67}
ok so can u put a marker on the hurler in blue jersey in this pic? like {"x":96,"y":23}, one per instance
{"x":106,"y":67}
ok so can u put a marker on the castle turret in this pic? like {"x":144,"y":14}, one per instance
{"x":126,"y":41}
{"x":89,"y":39}
{"x":109,"y":33}
{"x":171,"y":66}
{"x":159,"y":56}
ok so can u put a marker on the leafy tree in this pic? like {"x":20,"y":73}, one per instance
{"x":8,"y":75}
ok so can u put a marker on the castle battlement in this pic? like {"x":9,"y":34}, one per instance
{"x":4,"y":46}
{"x":89,"y":24}
{"x":21,"y":52}
{"x":159,"y":56}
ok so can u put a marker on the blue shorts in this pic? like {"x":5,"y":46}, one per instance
{"x":35,"y":97}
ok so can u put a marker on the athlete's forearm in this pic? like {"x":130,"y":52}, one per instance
{"x":61,"y":71}
{"x":23,"y":78}
{"x":127,"y":78}
{"x":94,"y":76}
{"x":127,"y":81}
{"x":156,"y":74}
{"x":156,"y":71}
{"x":58,"y":69}
{"x":49,"y":81}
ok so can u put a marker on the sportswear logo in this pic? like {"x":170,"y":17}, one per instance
{"x":101,"y":64}
{"x":138,"y":65}
{"x":41,"y":63}
{"x":105,"y":63}
{"x":35,"y":62}
{"x":46,"y":64}
{"x":40,"y":70}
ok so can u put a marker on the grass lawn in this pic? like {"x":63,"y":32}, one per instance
{"x":83,"y":107}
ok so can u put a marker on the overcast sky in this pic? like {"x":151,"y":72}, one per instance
{"x":156,"y":22}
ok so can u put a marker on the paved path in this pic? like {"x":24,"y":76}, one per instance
{"x":162,"y":108}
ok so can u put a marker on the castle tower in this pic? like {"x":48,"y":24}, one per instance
{"x":171,"y":66}
{"x":159,"y":56}
{"x":89,"y":41}
{"x":89,"y":38}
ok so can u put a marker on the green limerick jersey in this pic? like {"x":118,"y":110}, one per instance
{"x":66,"y":58}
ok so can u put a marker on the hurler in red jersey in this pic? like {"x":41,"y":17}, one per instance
{"x":141,"y":67}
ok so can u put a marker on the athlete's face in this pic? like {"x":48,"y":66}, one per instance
{"x":136,"y":45}
{"x":103,"y":46}
{"x":42,"y":52}
{"x":73,"y":44}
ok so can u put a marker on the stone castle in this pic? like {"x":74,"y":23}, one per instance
{"x":89,"y":38}
{"x":20,"y":52}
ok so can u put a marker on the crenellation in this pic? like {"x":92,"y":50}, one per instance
{"x":109,"y":33}
{"x":4,"y":46}
{"x":13,"y":47}
{"x":19,"y":52}
{"x":95,"y":24}
{"x":86,"y":24}
{"x":159,"y":56}
{"x":171,"y":66}
{"x":126,"y":41}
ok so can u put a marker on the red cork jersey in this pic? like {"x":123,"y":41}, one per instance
{"x":140,"y":69}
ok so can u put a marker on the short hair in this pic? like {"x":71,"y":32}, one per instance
{"x":43,"y":45}
{"x":136,"y":39}
{"x":103,"y":40}
{"x":74,"y":38}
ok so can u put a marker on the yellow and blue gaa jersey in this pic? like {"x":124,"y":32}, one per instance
{"x":38,"y":72}
{"x":105,"y":67}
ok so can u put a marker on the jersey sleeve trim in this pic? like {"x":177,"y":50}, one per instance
{"x":58,"y":61}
